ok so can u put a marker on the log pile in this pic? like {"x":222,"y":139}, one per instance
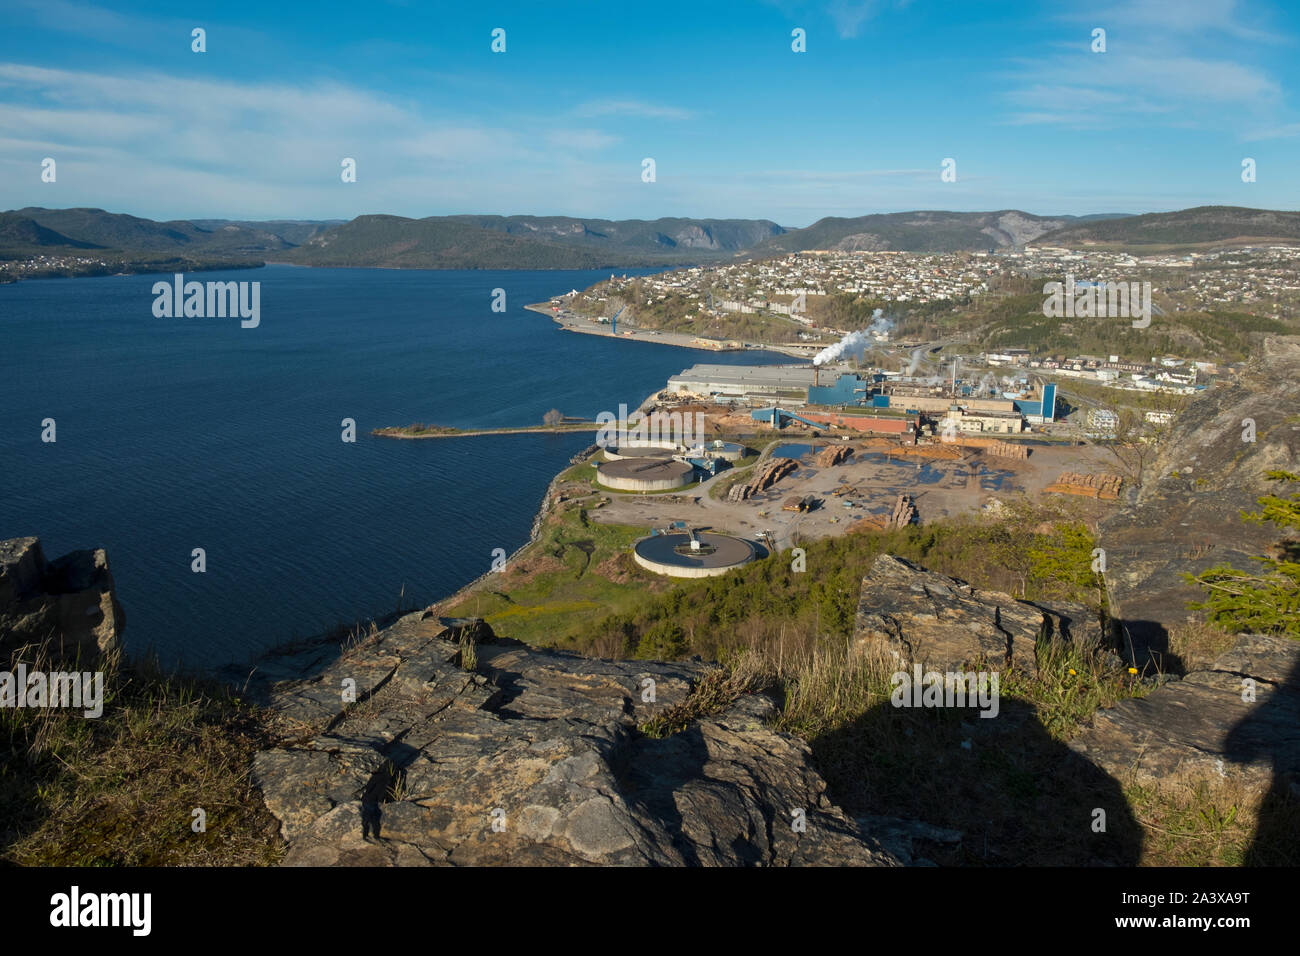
{"x":1006,"y":449}
{"x":768,"y":475}
{"x":1102,"y":486}
{"x":832,"y":455}
{"x":904,"y":512}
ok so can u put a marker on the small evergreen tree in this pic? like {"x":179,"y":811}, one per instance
{"x":1267,"y":601}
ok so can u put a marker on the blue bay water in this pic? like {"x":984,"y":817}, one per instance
{"x":175,"y":434}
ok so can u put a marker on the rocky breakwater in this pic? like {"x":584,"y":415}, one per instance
{"x":64,"y":609}
{"x":463,"y":749}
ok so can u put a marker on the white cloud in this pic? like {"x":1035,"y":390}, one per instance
{"x":638,"y":108}
{"x":1207,"y":17}
{"x":849,"y":15}
{"x":588,"y":140}
{"x":168,"y":146}
{"x":1148,"y":84}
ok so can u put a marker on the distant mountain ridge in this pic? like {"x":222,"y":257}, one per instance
{"x":1201,"y":224}
{"x":530,"y":242}
{"x":131,"y":234}
{"x":21,"y":232}
{"x":711,"y":235}
{"x":293,"y":231}
{"x":564,"y":242}
{"x":921,"y":231}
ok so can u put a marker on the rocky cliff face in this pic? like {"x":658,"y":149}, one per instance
{"x":433,"y":742}
{"x":1188,"y":514}
{"x":535,"y":758}
{"x":1236,"y":719}
{"x":66,"y":607}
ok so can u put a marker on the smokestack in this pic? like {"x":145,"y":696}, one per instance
{"x":817,"y":378}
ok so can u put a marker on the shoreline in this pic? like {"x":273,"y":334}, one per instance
{"x":679,"y":340}
{"x":539,"y":519}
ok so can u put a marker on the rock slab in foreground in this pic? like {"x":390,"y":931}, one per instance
{"x":1201,"y":727}
{"x":545,"y":745}
{"x":914,"y":615}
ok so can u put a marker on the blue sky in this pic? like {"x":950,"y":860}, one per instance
{"x":738,"y":124}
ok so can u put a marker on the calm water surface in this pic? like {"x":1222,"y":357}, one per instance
{"x":175,"y":434}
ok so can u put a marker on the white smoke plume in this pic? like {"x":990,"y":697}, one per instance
{"x":851,"y":344}
{"x":855,"y":342}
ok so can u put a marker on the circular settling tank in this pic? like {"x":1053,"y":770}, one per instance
{"x":673,"y":555}
{"x":619,"y":452}
{"x":644,"y":474}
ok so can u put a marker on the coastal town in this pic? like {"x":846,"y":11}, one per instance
{"x":792,"y":292}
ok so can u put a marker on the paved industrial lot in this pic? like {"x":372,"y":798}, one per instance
{"x":940,"y":487}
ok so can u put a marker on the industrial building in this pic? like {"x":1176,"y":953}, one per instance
{"x":729,"y":451}
{"x":992,"y":422}
{"x":896,"y":403}
{"x":879,"y":392}
{"x":886,"y":423}
{"x":747,"y":383}
{"x":1042,"y":411}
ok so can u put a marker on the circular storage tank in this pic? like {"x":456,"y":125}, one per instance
{"x":644,"y":474}
{"x":672,"y":554}
{"x":620,"y":452}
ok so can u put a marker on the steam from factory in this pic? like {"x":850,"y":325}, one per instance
{"x":855,"y":343}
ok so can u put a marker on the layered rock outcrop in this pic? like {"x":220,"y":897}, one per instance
{"x":533,"y":757}
{"x":66,"y":608}
{"x":912,"y":615}
{"x":1187,"y":515}
{"x":1238,"y":718}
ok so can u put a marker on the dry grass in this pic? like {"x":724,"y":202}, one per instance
{"x":1016,"y":791}
{"x":1009,"y":784}
{"x":714,"y":692}
{"x":121,"y":790}
{"x":1196,"y":821}
{"x":1197,"y":643}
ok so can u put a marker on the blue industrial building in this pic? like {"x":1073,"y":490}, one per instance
{"x":1041,"y":411}
{"x":779,"y":417}
{"x":850,"y":389}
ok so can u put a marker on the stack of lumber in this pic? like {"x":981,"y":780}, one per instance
{"x":904,"y":514}
{"x":768,"y":475}
{"x":1006,"y":449}
{"x":1091,"y":486}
